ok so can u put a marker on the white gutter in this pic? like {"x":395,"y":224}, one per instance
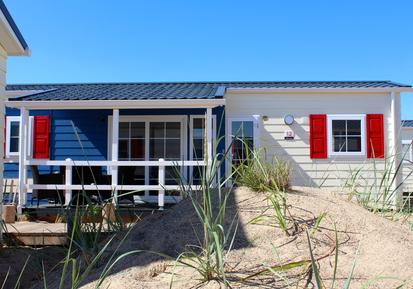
{"x":116,"y":104}
{"x":320,"y":90}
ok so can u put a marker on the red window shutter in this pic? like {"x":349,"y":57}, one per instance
{"x":41,"y":137}
{"x":375,"y":135}
{"x":318,"y":136}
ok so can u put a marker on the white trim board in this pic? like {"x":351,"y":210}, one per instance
{"x":117,"y":104}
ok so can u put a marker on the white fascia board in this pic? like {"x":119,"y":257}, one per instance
{"x":320,"y":90}
{"x":21,"y":93}
{"x":118,"y":104}
{"x":9,"y":40}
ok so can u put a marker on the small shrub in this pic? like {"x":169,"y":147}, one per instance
{"x":262,"y":176}
{"x":380,"y":195}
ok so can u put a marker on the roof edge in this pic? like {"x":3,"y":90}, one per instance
{"x":210,"y":82}
{"x":14,"y":27}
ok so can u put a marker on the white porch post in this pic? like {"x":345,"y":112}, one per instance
{"x":161,"y":178}
{"x":396,"y":145}
{"x":68,"y":181}
{"x":23,"y":133}
{"x":208,"y":127}
{"x":115,"y":141}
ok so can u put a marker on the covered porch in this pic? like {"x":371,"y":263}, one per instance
{"x":148,"y":144}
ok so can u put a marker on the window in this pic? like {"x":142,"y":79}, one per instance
{"x":165,"y":140}
{"x":242,"y":139}
{"x":131,"y":141}
{"x":149,"y":138}
{"x":12,"y":129}
{"x":346,"y":134}
{"x":12,"y":135}
{"x":407,"y":150}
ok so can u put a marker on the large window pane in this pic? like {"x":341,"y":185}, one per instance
{"x":353,"y":127}
{"x":248,"y":129}
{"x":137,"y":130}
{"x":156,"y":149}
{"x":14,"y":145}
{"x":339,"y":127}
{"x":173,"y":130}
{"x":123,"y":149}
{"x":173,"y":149}
{"x":236,"y":128}
{"x":353,"y":144}
{"x":157,"y":130}
{"x":124,"y":129}
{"x":198,"y":153}
{"x":198,"y":128}
{"x":14,"y":128}
{"x":340,"y":144}
{"x":137,"y":149}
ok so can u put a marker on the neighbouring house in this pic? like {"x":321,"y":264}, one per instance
{"x":12,"y":43}
{"x":133,"y":134}
{"x":407,"y":152}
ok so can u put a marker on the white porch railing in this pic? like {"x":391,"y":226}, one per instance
{"x":68,"y":186}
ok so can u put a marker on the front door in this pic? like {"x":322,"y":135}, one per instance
{"x":242,"y":138}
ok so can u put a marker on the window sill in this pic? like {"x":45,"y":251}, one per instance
{"x":339,"y":158}
{"x":11,"y":159}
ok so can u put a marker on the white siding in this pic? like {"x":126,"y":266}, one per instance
{"x":330,"y":172}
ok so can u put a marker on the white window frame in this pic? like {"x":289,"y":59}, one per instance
{"x":228,"y":135}
{"x":408,"y":142}
{"x":191,"y":140}
{"x":191,"y":132}
{"x":330,"y":147}
{"x":15,"y":155}
{"x":148,"y":119}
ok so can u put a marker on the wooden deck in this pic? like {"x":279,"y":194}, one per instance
{"x":37,"y":233}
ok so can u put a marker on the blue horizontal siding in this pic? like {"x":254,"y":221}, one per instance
{"x":82,"y":134}
{"x":79,"y":134}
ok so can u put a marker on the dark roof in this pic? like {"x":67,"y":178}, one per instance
{"x":407,"y":123}
{"x":171,"y":90}
{"x":13,"y":25}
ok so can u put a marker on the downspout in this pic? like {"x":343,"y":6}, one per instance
{"x":397,"y":186}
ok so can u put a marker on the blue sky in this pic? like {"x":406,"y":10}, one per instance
{"x":127,"y":41}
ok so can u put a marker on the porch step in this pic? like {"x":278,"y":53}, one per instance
{"x":37,"y":233}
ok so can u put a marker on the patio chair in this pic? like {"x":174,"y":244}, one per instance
{"x":88,"y":176}
{"x":56,"y":177}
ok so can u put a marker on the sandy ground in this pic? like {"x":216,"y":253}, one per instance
{"x":12,"y":260}
{"x":384,"y":248}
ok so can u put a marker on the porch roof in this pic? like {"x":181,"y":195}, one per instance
{"x":177,"y":90}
